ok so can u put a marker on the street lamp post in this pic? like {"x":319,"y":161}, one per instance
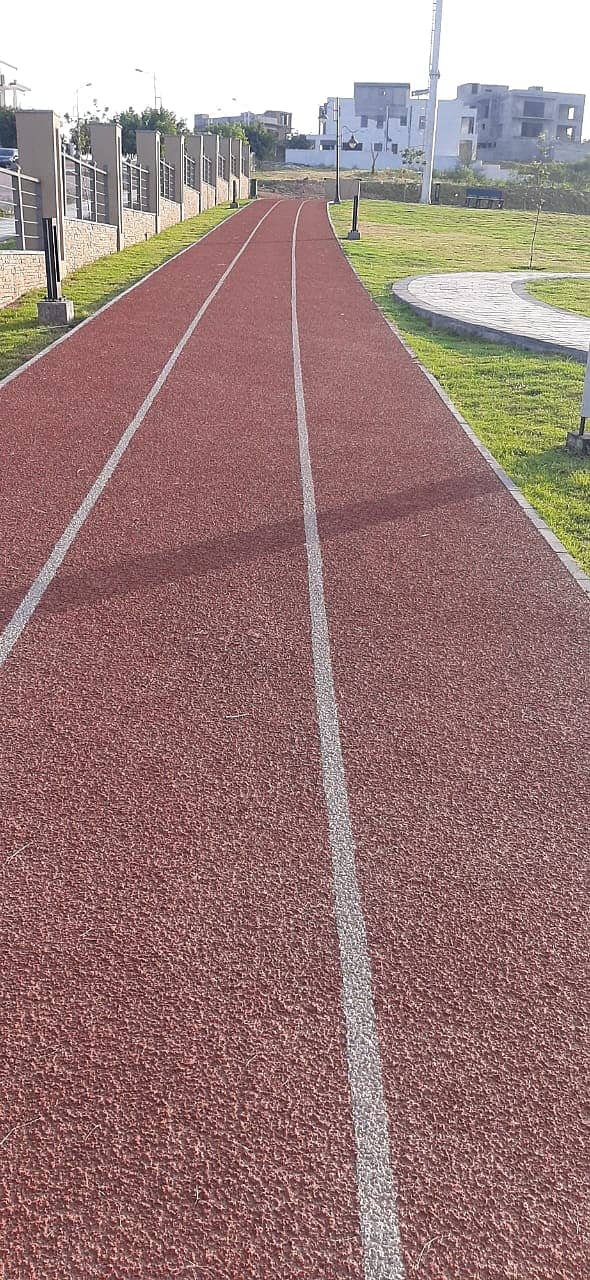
{"x":141,"y":72}
{"x":430,"y":134}
{"x":87,"y":85}
{"x":337,"y":114}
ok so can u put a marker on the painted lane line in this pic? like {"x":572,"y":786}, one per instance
{"x":10,"y":377}
{"x":570,"y":564}
{"x":28,"y":605}
{"x":382,"y":1254}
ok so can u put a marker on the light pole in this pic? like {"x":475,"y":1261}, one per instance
{"x":430,"y":134}
{"x":87,"y":85}
{"x":141,"y":72}
{"x":2,"y":81}
{"x":337,"y":117}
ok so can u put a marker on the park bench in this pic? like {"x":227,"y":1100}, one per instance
{"x":484,"y":198}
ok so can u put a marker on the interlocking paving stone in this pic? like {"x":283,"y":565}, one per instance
{"x":496,"y":304}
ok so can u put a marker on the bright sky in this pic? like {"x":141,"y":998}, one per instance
{"x":268,"y":56}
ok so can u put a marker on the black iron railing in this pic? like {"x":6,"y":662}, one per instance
{"x":190,"y":173}
{"x":21,"y":200}
{"x":85,"y":189}
{"x":167,"y":182}
{"x":136,"y":186}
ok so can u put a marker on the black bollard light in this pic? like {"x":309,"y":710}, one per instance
{"x":354,"y":233}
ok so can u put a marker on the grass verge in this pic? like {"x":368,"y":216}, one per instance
{"x":519,"y":403}
{"x":570,"y":295}
{"x":90,"y":287}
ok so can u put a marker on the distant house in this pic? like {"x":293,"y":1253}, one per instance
{"x":279,"y":123}
{"x":511,"y":121}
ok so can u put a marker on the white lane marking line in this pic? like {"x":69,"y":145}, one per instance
{"x":26,"y":608}
{"x":105,"y":307}
{"x":568,"y":561}
{"x":382,"y":1254}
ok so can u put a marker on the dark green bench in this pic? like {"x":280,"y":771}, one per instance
{"x":484,"y":198}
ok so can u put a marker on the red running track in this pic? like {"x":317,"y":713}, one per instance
{"x":174,"y":1089}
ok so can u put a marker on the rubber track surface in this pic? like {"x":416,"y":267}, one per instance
{"x":173,"y":1083}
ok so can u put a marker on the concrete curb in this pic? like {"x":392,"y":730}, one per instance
{"x":569,"y":563}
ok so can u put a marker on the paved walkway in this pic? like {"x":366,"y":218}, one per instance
{"x":293,"y":823}
{"x":496,"y":305}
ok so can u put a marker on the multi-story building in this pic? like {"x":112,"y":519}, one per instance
{"x":279,"y":123}
{"x":382,"y":123}
{"x":202,"y":120}
{"x":511,"y":121}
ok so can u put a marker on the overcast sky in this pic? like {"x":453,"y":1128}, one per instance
{"x":267,"y":55}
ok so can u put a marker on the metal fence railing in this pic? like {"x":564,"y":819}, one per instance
{"x":20,"y":201}
{"x":222,"y":167}
{"x":85,"y":189}
{"x":208,"y":170}
{"x":136,"y":186}
{"x":167,"y":182}
{"x":190,"y":173}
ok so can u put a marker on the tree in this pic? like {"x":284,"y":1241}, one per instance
{"x":413,"y":158}
{"x":262,"y":142}
{"x":7,"y":127}
{"x":96,"y":115}
{"x":162,"y":119}
{"x":537,"y":179}
{"x":375,"y":149}
{"x":299,"y":142}
{"x":227,"y":130}
{"x":150,"y":118}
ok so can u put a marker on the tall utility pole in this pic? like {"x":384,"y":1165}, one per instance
{"x":430,"y":133}
{"x":337,"y":192}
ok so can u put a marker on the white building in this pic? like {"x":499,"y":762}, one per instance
{"x":381,"y":122}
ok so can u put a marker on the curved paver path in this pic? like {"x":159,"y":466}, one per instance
{"x":496,"y":305}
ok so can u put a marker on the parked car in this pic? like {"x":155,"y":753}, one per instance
{"x":8,"y":158}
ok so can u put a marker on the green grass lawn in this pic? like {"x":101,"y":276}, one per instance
{"x":519,"y":403}
{"x":90,"y":287}
{"x":572,"y":295}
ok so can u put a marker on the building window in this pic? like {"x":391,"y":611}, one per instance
{"x":531,"y":128}
{"x":377,"y":146}
{"x":394,"y":148}
{"x":422,"y":124}
{"x":534,"y":107}
{"x":379,"y":122}
{"x":364,"y":122}
{"x":403,"y":121}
